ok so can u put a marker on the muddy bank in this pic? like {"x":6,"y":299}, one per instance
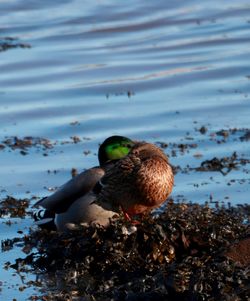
{"x":186,"y":253}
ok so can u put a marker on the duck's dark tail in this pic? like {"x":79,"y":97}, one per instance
{"x":44,"y":219}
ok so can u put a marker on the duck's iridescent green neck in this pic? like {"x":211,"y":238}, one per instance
{"x":114,"y":148}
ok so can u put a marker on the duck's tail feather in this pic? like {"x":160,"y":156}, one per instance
{"x":44,"y":219}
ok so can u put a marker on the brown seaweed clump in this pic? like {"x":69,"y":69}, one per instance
{"x":183,"y":254}
{"x":14,"y":207}
{"x":27,"y":142}
{"x":223,"y":165}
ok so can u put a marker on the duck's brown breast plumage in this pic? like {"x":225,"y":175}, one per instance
{"x":139,"y":182}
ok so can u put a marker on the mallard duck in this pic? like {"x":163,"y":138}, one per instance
{"x":138,"y":182}
{"x":74,"y":202}
{"x":133,"y":178}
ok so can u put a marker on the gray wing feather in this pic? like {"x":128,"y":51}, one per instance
{"x":77,"y":187}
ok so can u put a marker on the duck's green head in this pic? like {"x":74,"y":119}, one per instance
{"x":114,"y":148}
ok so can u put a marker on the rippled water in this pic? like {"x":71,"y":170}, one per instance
{"x":157,"y":71}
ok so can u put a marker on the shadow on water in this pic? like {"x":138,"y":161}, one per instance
{"x":73,"y":73}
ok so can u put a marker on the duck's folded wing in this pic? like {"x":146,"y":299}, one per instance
{"x":118,"y":184}
{"x":61,"y":200}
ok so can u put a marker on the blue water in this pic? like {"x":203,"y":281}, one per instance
{"x":156,"y":71}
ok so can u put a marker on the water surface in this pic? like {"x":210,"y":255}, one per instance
{"x":155,"y":71}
